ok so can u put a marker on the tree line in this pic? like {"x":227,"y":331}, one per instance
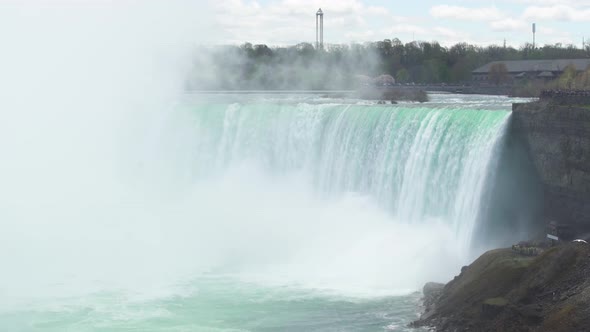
{"x":303,"y":67}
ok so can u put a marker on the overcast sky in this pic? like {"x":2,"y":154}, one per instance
{"x":288,"y":22}
{"x":284,"y":22}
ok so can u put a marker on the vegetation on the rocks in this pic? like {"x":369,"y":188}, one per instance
{"x":569,"y":79}
{"x":496,"y":301}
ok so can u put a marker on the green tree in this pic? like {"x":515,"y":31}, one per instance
{"x":402,"y":76}
{"x":583,"y":79}
{"x":568,"y":77}
{"x":302,"y":66}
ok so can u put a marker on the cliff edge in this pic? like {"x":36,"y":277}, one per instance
{"x":506,"y":291}
{"x":556,"y":131}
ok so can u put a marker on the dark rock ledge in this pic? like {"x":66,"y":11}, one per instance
{"x":505,"y":291}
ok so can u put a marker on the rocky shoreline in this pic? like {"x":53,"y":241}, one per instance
{"x":507,"y":291}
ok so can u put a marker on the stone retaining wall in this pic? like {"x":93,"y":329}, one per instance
{"x":557,"y":135}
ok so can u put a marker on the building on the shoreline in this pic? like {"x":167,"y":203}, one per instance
{"x":526,"y":70}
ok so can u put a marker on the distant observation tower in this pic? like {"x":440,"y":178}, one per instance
{"x":319,"y":29}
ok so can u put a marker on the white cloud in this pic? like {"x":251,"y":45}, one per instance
{"x":508,"y":24}
{"x":360,"y":36}
{"x":575,"y":3}
{"x":287,"y":22}
{"x":293,"y":21}
{"x":447,"y":36}
{"x":466,"y":13}
{"x":446,"y":32}
{"x":406,"y":28}
{"x":557,"y":13}
{"x":378,"y":11}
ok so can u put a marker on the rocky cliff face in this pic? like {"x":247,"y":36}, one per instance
{"x":557,"y":137}
{"x":505,"y":291}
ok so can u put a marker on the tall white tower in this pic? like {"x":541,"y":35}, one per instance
{"x":319,"y":29}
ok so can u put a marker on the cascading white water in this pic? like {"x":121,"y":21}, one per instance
{"x":417,"y":163}
{"x":329,"y":195}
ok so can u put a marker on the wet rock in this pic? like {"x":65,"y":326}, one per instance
{"x":432,"y":289}
{"x":532,"y":313}
{"x":490,"y":308}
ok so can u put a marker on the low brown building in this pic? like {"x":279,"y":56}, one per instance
{"x":520,"y":70}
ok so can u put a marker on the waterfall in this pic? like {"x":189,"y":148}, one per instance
{"x":417,"y":163}
{"x":352,"y":198}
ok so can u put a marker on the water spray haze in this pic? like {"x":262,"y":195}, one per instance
{"x":119,"y":188}
{"x":83,"y":84}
